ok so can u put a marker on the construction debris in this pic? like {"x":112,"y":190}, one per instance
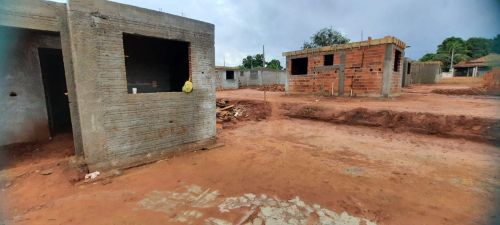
{"x":229,"y":113}
{"x":47,"y":172}
{"x":93,"y":175}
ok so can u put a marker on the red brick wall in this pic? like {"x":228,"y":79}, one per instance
{"x":364,"y":67}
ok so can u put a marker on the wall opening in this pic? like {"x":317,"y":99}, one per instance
{"x":328,"y":60}
{"x":37,"y":122}
{"x":408,"y":70}
{"x":56,"y":92}
{"x":397,"y":60}
{"x":229,"y":75}
{"x":155,"y":64}
{"x":299,"y":66}
{"x":254,"y":74}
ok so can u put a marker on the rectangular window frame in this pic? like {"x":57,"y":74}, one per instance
{"x":154,"y":83}
{"x":229,"y":74}
{"x":295,"y":71}
{"x":328,"y":59}
{"x":397,"y":60}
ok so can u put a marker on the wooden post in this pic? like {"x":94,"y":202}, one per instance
{"x":332,"y":88}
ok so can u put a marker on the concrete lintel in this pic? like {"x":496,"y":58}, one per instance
{"x":318,"y":69}
{"x":32,"y":14}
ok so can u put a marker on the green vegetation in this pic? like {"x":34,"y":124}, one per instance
{"x":257,"y":61}
{"x":461,"y":50}
{"x":326,"y":37}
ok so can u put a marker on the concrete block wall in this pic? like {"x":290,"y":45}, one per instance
{"x":360,"y":70}
{"x":24,"y":115}
{"x":425,"y":72}
{"x":253,"y":78}
{"x":262,"y":77}
{"x":406,"y":76}
{"x":45,"y":16}
{"x":270,"y":77}
{"x":119,"y":128}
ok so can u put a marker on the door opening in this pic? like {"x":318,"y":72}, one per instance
{"x":56,"y":92}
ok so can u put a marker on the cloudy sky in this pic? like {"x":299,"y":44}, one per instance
{"x":242,"y":27}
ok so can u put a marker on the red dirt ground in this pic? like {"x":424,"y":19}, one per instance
{"x":415,"y":99}
{"x":374,"y":173}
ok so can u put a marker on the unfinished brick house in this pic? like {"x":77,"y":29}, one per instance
{"x":367,"y":68}
{"x":234,"y":77}
{"x":76,"y":67}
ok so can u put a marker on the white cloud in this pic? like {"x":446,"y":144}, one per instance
{"x":242,"y":27}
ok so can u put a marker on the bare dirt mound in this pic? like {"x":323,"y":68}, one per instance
{"x":273,"y":88}
{"x":463,"y":91}
{"x":230,"y":112}
{"x":490,"y":86}
{"x":469,"y":127}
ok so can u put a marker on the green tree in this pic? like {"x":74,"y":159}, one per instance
{"x":253,"y":61}
{"x":274,"y":64}
{"x":451,"y":46}
{"x":495,"y":44}
{"x":461,"y":50}
{"x":428,"y":57}
{"x":478,"y":47}
{"x":326,"y":37}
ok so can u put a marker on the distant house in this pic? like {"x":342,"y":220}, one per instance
{"x":234,"y":77}
{"x":227,"y":77}
{"x":476,"y":67}
{"x":368,"y":68}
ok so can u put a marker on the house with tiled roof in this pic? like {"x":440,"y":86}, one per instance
{"x":477,"y":67}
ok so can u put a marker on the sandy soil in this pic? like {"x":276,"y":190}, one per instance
{"x":416,"y":99}
{"x":281,"y":170}
{"x":383,"y":177}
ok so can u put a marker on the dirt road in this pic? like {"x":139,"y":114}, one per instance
{"x":383,"y":177}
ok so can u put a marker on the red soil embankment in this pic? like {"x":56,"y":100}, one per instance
{"x":468,"y":127}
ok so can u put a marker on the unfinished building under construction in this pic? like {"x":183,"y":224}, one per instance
{"x":367,"y":68}
{"x":111,"y":74}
